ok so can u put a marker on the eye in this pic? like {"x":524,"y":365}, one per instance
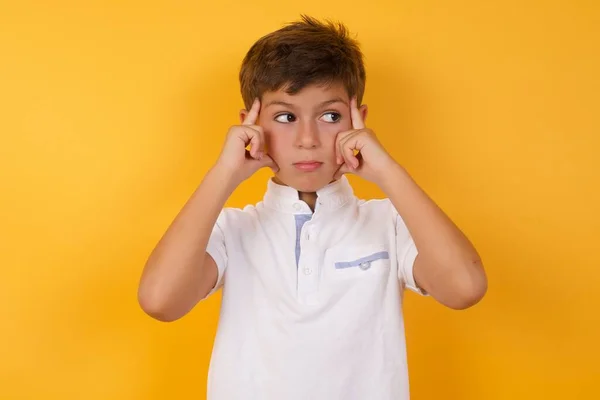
{"x":332,"y":117}
{"x":285,"y":118}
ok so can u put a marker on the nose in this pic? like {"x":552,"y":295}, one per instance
{"x":307,"y":136}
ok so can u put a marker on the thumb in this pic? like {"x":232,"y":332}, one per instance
{"x":343,"y":169}
{"x":267,"y":161}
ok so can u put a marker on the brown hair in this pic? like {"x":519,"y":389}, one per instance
{"x":303,"y":53}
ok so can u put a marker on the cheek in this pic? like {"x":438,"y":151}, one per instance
{"x":277,"y":142}
{"x":329,"y":134}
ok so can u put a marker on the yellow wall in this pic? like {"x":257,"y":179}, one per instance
{"x":111,"y":112}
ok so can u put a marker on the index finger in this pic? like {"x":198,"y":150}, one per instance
{"x":253,"y":113}
{"x":357,"y":121}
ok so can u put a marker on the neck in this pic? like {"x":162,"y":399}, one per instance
{"x":309,"y":198}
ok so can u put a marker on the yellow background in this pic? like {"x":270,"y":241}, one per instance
{"x":112,"y":111}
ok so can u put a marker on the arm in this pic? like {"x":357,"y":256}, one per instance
{"x":179,"y":272}
{"x":447,"y":266}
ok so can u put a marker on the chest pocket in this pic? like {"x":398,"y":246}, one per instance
{"x":357,"y":262}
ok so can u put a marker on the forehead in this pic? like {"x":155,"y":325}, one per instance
{"x":309,"y":96}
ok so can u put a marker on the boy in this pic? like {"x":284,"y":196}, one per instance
{"x":312,"y":277}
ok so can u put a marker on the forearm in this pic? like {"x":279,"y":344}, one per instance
{"x":448,"y":266}
{"x":174,"y":271}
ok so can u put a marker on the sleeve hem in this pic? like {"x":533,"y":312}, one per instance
{"x":217,"y":252}
{"x":408,"y":263}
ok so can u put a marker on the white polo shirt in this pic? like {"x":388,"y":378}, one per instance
{"x":312,"y":302}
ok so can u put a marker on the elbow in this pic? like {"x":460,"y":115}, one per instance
{"x":156,"y":306}
{"x":467,"y":298}
{"x":469,"y":288}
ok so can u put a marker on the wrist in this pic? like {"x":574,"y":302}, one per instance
{"x":227,"y":176}
{"x":395,"y":175}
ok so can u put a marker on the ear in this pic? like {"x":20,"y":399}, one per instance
{"x":243,"y":114}
{"x":364,"y":110}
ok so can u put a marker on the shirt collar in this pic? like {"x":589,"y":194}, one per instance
{"x":286,"y":199}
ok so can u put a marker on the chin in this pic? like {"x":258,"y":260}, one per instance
{"x":305,"y":182}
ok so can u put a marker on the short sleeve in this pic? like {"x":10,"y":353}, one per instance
{"x":216,"y":249}
{"x":406,"y":253}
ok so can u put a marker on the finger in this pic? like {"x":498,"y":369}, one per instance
{"x":267,"y":161}
{"x":254,"y":141}
{"x":261,"y":149}
{"x":357,"y":121}
{"x":349,"y":157}
{"x":338,"y":140}
{"x":343,"y":169}
{"x":264,"y":162}
{"x":252,"y":115}
{"x":347,"y":147}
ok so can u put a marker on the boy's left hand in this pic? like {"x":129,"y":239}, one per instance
{"x":372,"y":160}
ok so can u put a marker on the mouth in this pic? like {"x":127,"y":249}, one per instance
{"x":308,"y":166}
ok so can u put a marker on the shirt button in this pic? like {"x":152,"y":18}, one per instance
{"x":297,"y":206}
{"x":307,"y":271}
{"x":365,"y":265}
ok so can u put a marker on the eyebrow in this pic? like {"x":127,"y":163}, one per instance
{"x":323,"y":104}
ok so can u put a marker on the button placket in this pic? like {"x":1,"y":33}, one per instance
{"x":310,"y":232}
{"x":307,"y":272}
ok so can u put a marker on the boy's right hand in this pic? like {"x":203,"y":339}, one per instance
{"x":238,"y":161}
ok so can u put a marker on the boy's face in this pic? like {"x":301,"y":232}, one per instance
{"x":301,"y":132}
